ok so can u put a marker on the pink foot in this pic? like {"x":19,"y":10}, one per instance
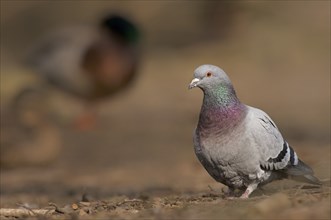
{"x":249,"y":190}
{"x":85,"y":122}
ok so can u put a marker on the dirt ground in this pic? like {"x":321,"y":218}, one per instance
{"x":156,"y":188}
{"x":138,"y":161}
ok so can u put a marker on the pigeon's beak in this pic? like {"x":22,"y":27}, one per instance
{"x":193,"y":83}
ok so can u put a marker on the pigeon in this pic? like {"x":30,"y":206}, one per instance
{"x":240,"y":146}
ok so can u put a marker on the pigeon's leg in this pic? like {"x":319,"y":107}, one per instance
{"x":249,"y":190}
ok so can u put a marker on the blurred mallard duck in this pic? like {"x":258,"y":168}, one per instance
{"x":90,"y":62}
{"x":28,"y":135}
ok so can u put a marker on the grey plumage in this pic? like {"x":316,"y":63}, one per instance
{"x":240,"y":146}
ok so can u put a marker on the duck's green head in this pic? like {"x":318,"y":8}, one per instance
{"x":122,"y":28}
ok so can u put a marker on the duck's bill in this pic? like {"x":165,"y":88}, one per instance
{"x":194,"y":83}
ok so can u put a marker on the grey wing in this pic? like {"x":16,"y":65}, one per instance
{"x":275,"y":152}
{"x":59,"y":43}
{"x":58,"y":57}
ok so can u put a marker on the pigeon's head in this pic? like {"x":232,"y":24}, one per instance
{"x":208,"y":77}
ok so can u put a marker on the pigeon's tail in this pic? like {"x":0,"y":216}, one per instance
{"x":303,"y":173}
{"x":307,"y":179}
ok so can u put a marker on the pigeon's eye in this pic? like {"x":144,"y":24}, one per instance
{"x":208,"y":74}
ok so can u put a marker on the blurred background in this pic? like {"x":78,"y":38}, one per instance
{"x":276,"y":53}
